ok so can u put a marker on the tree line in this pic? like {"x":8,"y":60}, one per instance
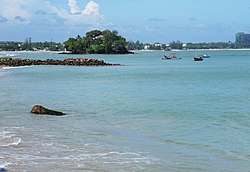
{"x":108,"y":42}
{"x":180,"y":45}
{"x":28,"y":45}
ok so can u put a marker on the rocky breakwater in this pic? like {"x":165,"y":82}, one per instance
{"x":13,"y":62}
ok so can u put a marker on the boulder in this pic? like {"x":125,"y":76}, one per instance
{"x":38,"y":109}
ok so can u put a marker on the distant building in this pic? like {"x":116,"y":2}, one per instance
{"x":146,"y":47}
{"x":158,"y":45}
{"x":242,"y":40}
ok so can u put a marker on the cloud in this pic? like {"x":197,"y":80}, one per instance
{"x":3,"y":19}
{"x":74,"y":9}
{"x":92,"y":8}
{"x":200,"y":26}
{"x":89,"y":16}
{"x":41,"y":12}
{"x":156,"y":19}
{"x":20,"y":18}
{"x":42,"y":18}
{"x":193,"y":19}
{"x":149,"y":29}
{"x":12,"y":9}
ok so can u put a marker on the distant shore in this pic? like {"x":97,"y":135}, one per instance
{"x":242,"y":49}
{"x":68,"y":53}
{"x":24,"y":51}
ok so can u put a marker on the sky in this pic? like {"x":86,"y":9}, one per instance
{"x":144,"y":20}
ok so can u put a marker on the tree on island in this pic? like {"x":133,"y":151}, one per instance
{"x":97,"y":42}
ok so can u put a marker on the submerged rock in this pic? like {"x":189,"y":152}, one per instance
{"x":38,"y":109}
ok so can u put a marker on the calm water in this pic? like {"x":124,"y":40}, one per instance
{"x":150,"y":115}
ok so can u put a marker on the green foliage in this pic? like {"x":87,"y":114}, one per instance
{"x":75,"y":45}
{"x":176,"y":45}
{"x":97,"y":42}
{"x":212,"y":45}
{"x":30,"y":46}
{"x":140,"y":46}
{"x":135,"y":45}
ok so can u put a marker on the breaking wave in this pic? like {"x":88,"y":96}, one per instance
{"x":18,"y":67}
{"x":8,"y":139}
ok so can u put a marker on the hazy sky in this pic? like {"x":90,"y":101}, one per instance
{"x":143,"y":20}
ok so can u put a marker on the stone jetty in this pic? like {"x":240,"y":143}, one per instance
{"x":15,"y":62}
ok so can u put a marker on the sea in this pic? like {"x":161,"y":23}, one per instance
{"x":150,"y":115}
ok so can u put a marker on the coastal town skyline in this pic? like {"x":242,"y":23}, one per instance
{"x":147,"y":21}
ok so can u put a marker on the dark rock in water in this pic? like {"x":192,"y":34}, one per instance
{"x":69,"y":62}
{"x":38,"y":109}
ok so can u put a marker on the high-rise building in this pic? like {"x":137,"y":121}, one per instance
{"x":242,"y":40}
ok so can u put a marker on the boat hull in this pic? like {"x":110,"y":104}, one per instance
{"x":171,"y":57}
{"x":198,"y":59}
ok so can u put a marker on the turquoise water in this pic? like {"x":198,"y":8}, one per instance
{"x":150,"y":115}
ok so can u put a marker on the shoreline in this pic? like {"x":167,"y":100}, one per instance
{"x":61,"y":52}
{"x":67,"y":53}
{"x":242,"y":49}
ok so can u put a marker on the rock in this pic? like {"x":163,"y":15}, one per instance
{"x":38,"y":109}
{"x":68,"y":62}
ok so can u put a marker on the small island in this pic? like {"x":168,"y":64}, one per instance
{"x":97,"y":42}
{"x":12,"y":62}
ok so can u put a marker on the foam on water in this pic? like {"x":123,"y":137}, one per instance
{"x":8,"y":139}
{"x":19,"y":67}
{"x":90,"y":153}
{"x":46,"y":156}
{"x":8,"y":54}
{"x":3,"y":167}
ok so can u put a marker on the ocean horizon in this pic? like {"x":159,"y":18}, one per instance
{"x":149,"y":115}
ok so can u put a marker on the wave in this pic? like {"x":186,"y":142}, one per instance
{"x":8,"y":139}
{"x":18,"y":67}
{"x":89,"y":155}
{"x":107,"y":156}
{"x":8,"y":54}
{"x":117,"y":157}
{"x":3,"y":167}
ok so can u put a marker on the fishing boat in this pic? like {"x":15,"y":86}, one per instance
{"x":198,"y":58}
{"x":171,"y":57}
{"x":205,"y":56}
